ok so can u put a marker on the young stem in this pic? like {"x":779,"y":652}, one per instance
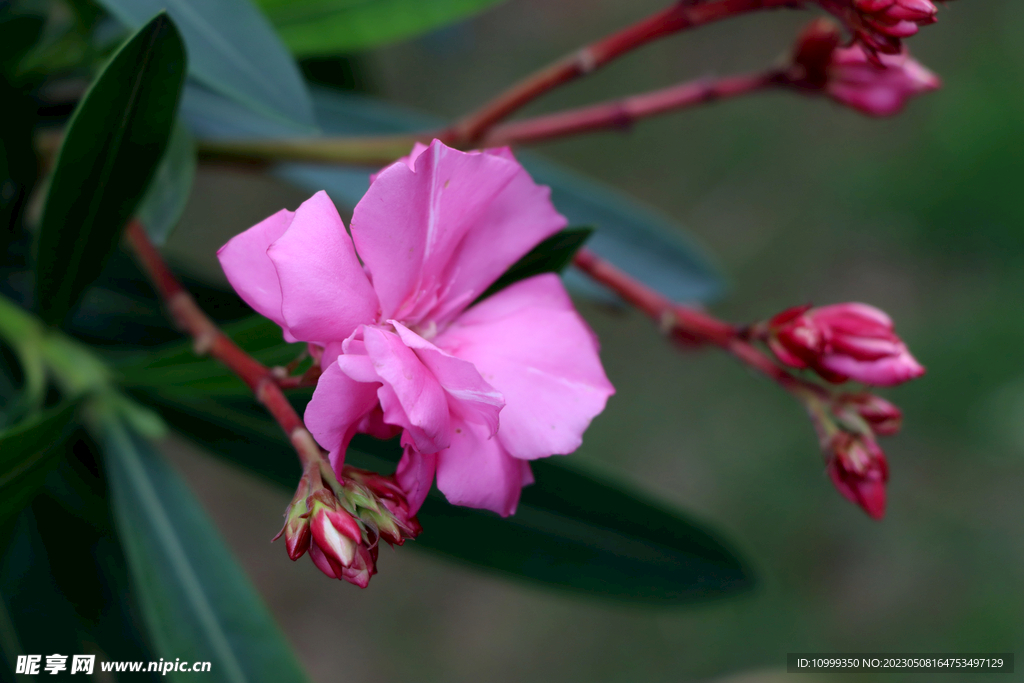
{"x":688,"y":326}
{"x":680,"y":16}
{"x":209,"y":340}
{"x":623,"y":113}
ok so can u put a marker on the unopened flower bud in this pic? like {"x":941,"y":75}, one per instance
{"x":296,"y":526}
{"x":381,"y":504}
{"x":877,"y":87}
{"x":859,"y":471}
{"x":855,"y":76}
{"x":842,"y":342}
{"x":335,"y":533}
{"x":884,"y":418}
{"x":880,"y":25}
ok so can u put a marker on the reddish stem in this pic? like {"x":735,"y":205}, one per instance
{"x":623,"y":113}
{"x":209,"y":340}
{"x":680,"y":16}
{"x":687,"y":325}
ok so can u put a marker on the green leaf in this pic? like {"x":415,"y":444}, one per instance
{"x":553,"y":255}
{"x":113,"y":145}
{"x":28,"y":450}
{"x":312,"y":27}
{"x":572,"y":530}
{"x":233,"y":49}
{"x":197,"y":602}
{"x":165,"y":200}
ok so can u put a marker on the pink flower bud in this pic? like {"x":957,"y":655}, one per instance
{"x":859,"y":471}
{"x":875,"y":84}
{"x":896,"y":18}
{"x":842,"y":342}
{"x":880,"y":25}
{"x":335,"y":535}
{"x":883,"y":417}
{"x":877,"y":89}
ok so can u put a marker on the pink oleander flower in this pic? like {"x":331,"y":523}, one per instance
{"x":477,"y":390}
{"x":842,"y":342}
{"x":877,"y":85}
{"x":859,"y":471}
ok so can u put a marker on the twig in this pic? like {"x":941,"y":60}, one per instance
{"x":623,"y":113}
{"x":209,"y":340}
{"x":680,"y":16}
{"x":689,"y":326}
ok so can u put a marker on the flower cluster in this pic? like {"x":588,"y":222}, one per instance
{"x":880,"y":25}
{"x":477,"y":389}
{"x":874,"y":84}
{"x":341,"y":520}
{"x":843,"y":342}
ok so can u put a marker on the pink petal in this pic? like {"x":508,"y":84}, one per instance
{"x":251,"y":272}
{"x":529,"y":344}
{"x":433,"y":238}
{"x":517,"y":219}
{"x":470,"y":398}
{"x":477,"y":472}
{"x":325,"y":293}
{"x":885,"y":372}
{"x":411,"y":396}
{"x":334,"y":412}
{"x":415,"y":474}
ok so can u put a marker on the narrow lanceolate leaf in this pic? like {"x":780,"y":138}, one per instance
{"x":572,"y":530}
{"x":165,"y":200}
{"x":28,"y":450}
{"x":111,"y":150}
{"x":233,"y":50}
{"x":196,"y":601}
{"x":336,"y":26}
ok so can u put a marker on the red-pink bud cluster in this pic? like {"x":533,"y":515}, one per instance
{"x":842,"y":342}
{"x":341,"y":523}
{"x":874,"y":84}
{"x":880,"y":25}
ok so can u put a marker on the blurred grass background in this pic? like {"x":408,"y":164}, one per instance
{"x":800,"y":201}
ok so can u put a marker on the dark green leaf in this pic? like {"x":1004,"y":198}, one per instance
{"x":232,"y":49}
{"x":336,"y":26}
{"x":197,"y":602}
{"x":28,"y":450}
{"x":571,"y":531}
{"x":18,"y":34}
{"x":553,"y":255}
{"x":111,"y":150}
{"x":165,"y":200}
{"x":63,"y":577}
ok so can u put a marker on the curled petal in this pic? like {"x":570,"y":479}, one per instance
{"x":325,"y":293}
{"x":334,"y":412}
{"x":410,"y":396}
{"x":251,"y":272}
{"x":415,"y":474}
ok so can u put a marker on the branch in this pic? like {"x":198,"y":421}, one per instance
{"x":625,"y":112}
{"x":680,"y":16}
{"x":690,"y":327}
{"x":209,"y":340}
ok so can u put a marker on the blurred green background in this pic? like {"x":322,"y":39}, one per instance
{"x":800,"y":201}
